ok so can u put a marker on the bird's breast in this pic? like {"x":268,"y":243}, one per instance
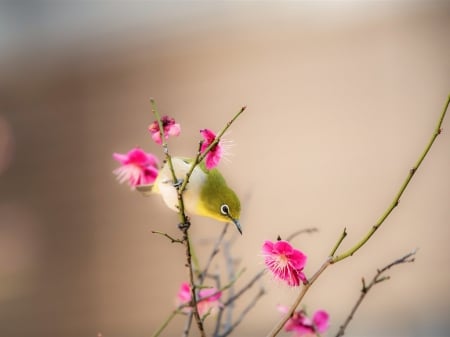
{"x":169,"y":193}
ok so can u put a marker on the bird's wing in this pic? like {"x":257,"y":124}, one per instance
{"x":187,"y":160}
{"x":146,"y":190}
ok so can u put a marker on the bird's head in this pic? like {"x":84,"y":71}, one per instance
{"x":218,"y":201}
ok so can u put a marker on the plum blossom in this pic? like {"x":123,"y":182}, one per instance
{"x":302,"y":325}
{"x":215,"y":154}
{"x":138,"y":167}
{"x":204,"y":306}
{"x":170,"y":127}
{"x":285,"y":262}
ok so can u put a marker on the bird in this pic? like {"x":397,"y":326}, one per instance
{"x":207,"y":193}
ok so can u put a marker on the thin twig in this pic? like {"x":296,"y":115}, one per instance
{"x":214,"y":252}
{"x":245,"y":288}
{"x":194,"y":301}
{"x":188,"y":323}
{"x":365,"y":288}
{"x":244,"y":312}
{"x":338,"y":243}
{"x":172,"y":240}
{"x":231,"y":275}
{"x":302,"y":231}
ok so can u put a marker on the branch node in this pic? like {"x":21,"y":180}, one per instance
{"x":364,"y":288}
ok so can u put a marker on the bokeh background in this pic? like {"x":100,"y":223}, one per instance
{"x":342,"y":98}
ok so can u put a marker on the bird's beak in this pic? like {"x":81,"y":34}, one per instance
{"x":238,"y":225}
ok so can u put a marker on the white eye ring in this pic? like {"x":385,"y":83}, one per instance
{"x":224,"y":209}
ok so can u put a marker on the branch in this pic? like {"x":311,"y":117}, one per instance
{"x":165,"y":323}
{"x":394,"y":204}
{"x":302,"y":231}
{"x":244,"y":312}
{"x":200,"y":156}
{"x":338,"y":243}
{"x":351,"y":251}
{"x":184,"y":226}
{"x":219,"y":136}
{"x":231,"y":271}
{"x":366,"y":288}
{"x":194,"y":301}
{"x":214,"y":252}
{"x":172,"y":240}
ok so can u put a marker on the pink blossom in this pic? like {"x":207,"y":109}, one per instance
{"x":302,"y":325}
{"x":138,"y":167}
{"x":207,"y":305}
{"x":213,"y":157}
{"x":285,"y":262}
{"x":170,"y":127}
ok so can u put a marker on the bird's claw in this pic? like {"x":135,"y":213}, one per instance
{"x":184,"y":226}
{"x":178,"y":183}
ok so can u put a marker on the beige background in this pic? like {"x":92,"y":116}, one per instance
{"x":341,"y":96}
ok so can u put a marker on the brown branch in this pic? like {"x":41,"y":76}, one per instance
{"x":172,"y":240}
{"x":244,"y":312}
{"x":366,"y":288}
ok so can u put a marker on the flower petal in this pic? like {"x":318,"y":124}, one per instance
{"x":174,"y":130}
{"x":321,"y":320}
{"x":170,"y":128}
{"x":283,"y":247}
{"x":157,"y":138}
{"x":138,"y":167}
{"x":267,"y":247}
{"x":297,"y":259}
{"x":285,"y":262}
{"x":184,"y":294}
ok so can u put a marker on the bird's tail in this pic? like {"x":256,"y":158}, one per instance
{"x":146,"y":190}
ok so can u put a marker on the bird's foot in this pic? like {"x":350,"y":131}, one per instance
{"x":184,"y":226}
{"x":178,"y":183}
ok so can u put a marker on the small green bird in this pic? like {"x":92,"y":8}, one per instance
{"x":207,"y":193}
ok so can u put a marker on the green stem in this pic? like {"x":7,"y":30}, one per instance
{"x":338,"y":243}
{"x":396,"y":200}
{"x":194,"y":257}
{"x":165,"y":323}
{"x":191,"y":169}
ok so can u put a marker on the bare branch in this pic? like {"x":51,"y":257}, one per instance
{"x":378,"y":278}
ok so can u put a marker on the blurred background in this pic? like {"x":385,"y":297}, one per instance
{"x":342,"y":98}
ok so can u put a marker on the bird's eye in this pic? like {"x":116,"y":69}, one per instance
{"x":224,"y":209}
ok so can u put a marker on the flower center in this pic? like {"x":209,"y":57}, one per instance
{"x":282,"y":260}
